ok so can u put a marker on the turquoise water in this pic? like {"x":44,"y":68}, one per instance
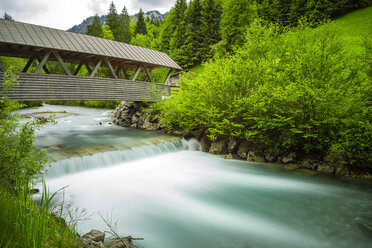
{"x":173,"y":195}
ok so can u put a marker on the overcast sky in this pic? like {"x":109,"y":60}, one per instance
{"x":63,"y":14}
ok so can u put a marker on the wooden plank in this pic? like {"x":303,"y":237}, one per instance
{"x":107,"y":61}
{"x":78,"y":68}
{"x":125,"y":74}
{"x":136,"y":73}
{"x":148,"y":73}
{"x":29,"y":62}
{"x":2,"y":68}
{"x":96,"y":68}
{"x":42,"y":63}
{"x":60,"y":60}
{"x":88,"y":68}
{"x":168,"y":76}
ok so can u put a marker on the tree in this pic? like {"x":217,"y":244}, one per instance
{"x":107,"y":33}
{"x":194,"y":34}
{"x":237,"y":15}
{"x":141,"y":25}
{"x":8,"y":17}
{"x":125,"y":33}
{"x":211,"y":26}
{"x":95,"y":29}
{"x":112,"y":20}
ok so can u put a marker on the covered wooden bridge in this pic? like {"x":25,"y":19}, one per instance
{"x":42,"y":44}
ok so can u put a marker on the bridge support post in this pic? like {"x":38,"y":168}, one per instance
{"x":2,"y":68}
{"x":29,"y":62}
{"x":107,"y":61}
{"x":42,"y":63}
{"x":148,"y":73}
{"x":56,"y":54}
{"x":78,"y":68}
{"x":136,"y":73}
{"x":88,"y":68}
{"x":168,"y":76}
{"x":96,"y":68}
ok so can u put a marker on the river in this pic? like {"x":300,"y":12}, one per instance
{"x":165,"y":190}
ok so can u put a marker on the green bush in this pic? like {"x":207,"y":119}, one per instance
{"x":20,"y":159}
{"x":285,"y":90}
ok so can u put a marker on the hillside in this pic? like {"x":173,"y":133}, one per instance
{"x":354,"y":26}
{"x":82,"y":27}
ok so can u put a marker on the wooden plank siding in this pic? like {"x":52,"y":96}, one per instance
{"x":61,"y":87}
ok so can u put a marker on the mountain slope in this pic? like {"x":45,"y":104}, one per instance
{"x":82,"y":27}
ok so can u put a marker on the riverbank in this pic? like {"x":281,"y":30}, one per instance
{"x":138,"y":115}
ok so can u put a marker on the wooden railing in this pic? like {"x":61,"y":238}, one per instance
{"x":60,"y":87}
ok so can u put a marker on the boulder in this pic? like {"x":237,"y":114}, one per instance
{"x":290,"y":158}
{"x":243,"y":150}
{"x":218,"y":147}
{"x":270,"y":156}
{"x":148,"y":126}
{"x":324,"y":168}
{"x":228,"y":156}
{"x":95,"y":235}
{"x":232,"y":144}
{"x":120,"y":243}
{"x":205,"y":143}
{"x":254,"y":156}
{"x":89,"y":243}
{"x":341,"y":171}
{"x":309,"y":164}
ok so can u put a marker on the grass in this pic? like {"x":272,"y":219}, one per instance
{"x":354,"y":26}
{"x":26,"y":225}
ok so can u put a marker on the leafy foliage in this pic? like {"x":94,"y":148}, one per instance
{"x":287,"y":89}
{"x":20,"y":160}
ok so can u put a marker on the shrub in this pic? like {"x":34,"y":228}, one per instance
{"x":285,"y":89}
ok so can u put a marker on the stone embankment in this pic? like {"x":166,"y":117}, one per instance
{"x":137,"y":115}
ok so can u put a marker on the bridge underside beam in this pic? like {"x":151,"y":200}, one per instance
{"x":59,"y":87}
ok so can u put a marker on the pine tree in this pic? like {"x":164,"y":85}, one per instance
{"x":194,"y":34}
{"x":211,"y":26}
{"x":125,"y":33}
{"x":112,"y":20}
{"x":95,"y":29}
{"x":237,"y":15}
{"x":141,"y":25}
{"x":8,"y":17}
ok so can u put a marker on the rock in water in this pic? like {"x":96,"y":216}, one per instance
{"x":94,"y":235}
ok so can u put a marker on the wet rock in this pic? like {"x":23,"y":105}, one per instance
{"x":291,"y":166}
{"x":34,"y":191}
{"x":232,"y":144}
{"x":218,"y":147}
{"x":243,"y":150}
{"x":341,"y":171}
{"x":120,"y":243}
{"x":324,"y":168}
{"x":95,"y":235}
{"x":228,"y":156}
{"x":309,"y":164}
{"x":270,"y":156}
{"x":254,"y":156}
{"x":89,"y":243}
{"x":205,"y":143}
{"x":290,"y":158}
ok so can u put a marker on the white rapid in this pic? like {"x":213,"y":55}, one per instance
{"x":166,"y":191}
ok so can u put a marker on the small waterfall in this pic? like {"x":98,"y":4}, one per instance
{"x":98,"y":160}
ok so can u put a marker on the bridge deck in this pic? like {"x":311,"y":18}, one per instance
{"x":60,"y":87}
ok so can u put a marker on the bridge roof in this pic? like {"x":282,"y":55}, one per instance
{"x":20,"y":39}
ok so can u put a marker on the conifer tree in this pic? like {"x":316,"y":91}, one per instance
{"x":237,"y":15}
{"x":141,"y":25}
{"x":8,"y":17}
{"x":194,"y":34}
{"x":95,"y":29}
{"x":125,"y":33}
{"x":112,"y":20}
{"x":211,"y":26}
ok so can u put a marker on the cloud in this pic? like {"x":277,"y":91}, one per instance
{"x":147,"y":5}
{"x":98,"y":6}
{"x":24,"y":9}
